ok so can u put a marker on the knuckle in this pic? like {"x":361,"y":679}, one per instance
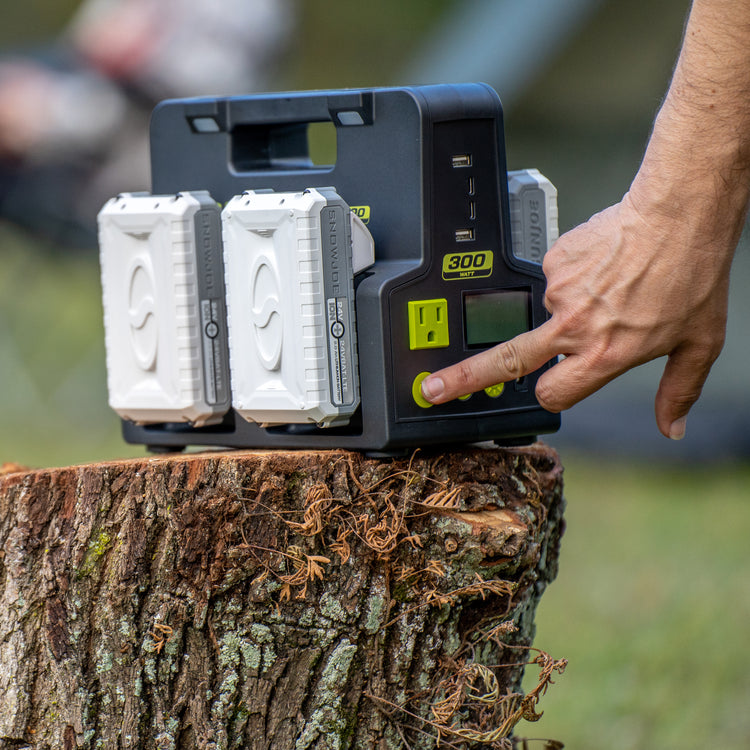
{"x":577,"y":308}
{"x":702,"y":356}
{"x":463,"y":375}
{"x":557,"y":253}
{"x":572,"y":319}
{"x":713,"y":349}
{"x":548,"y":397}
{"x":604,"y":356}
{"x":684,"y":401}
{"x":508,"y":360}
{"x":551,"y":260}
{"x":554,"y":299}
{"x":681,"y":399}
{"x":549,"y":303}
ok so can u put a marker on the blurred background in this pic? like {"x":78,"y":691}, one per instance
{"x":653,"y":598}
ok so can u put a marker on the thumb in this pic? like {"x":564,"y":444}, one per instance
{"x":681,"y":385}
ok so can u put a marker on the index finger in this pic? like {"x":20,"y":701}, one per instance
{"x":501,"y":364}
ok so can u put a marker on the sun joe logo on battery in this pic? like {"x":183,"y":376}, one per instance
{"x":338,"y":300}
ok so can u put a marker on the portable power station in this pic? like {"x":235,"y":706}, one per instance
{"x":257,"y":299}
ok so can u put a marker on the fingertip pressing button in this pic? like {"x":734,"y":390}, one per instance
{"x":416,"y":391}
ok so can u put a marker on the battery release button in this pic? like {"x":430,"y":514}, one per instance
{"x":416,"y":391}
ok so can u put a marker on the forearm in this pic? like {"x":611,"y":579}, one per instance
{"x":697,"y":164}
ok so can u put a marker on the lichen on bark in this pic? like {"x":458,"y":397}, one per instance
{"x":271,"y":600}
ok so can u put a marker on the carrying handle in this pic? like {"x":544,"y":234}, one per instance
{"x":269,"y":133}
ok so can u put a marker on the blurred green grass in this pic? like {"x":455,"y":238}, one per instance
{"x":651,"y":607}
{"x":53,"y":399}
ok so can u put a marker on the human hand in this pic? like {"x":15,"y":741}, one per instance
{"x":633,"y":283}
{"x":649,"y":276}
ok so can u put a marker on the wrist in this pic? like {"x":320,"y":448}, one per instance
{"x":697,"y":174}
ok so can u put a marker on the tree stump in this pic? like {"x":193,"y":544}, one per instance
{"x":275,"y":600}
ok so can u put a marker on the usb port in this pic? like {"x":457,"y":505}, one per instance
{"x":461,"y":160}
{"x":464,"y":235}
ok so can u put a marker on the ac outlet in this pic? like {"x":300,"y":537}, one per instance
{"x":428,"y":324}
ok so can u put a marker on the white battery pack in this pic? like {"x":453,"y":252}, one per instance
{"x":533,"y":214}
{"x":164,"y":308}
{"x":290,"y":305}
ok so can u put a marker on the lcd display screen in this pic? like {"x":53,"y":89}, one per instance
{"x":493,"y":317}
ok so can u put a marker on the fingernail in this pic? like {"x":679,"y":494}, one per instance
{"x":432,"y":388}
{"x":677,"y":429}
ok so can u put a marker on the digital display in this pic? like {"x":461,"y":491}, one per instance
{"x":493,"y":317}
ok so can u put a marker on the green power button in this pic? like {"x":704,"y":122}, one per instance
{"x":416,"y":391}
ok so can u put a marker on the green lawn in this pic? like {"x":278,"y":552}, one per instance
{"x":651,"y":607}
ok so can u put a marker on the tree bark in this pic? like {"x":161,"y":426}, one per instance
{"x":274,"y":600}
